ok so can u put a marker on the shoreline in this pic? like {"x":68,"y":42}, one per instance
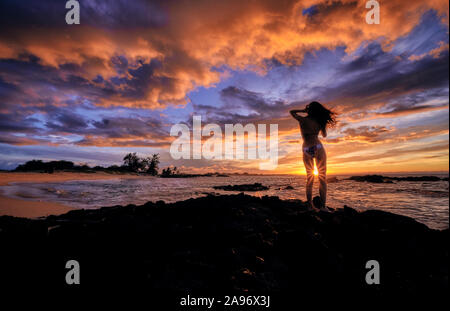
{"x":34,"y":208}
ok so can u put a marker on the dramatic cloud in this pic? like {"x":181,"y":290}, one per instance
{"x":181,"y":43}
{"x":366,"y":133}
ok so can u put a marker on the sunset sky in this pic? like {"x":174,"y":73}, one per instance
{"x":116,"y":83}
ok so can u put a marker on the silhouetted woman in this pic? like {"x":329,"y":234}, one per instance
{"x":317,"y":119}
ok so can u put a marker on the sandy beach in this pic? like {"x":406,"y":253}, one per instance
{"x":32,"y":209}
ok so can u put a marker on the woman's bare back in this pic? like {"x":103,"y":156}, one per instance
{"x":310,"y":130}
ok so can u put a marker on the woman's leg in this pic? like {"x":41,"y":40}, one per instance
{"x":308,"y":161}
{"x":321,"y":163}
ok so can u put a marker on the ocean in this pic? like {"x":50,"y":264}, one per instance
{"x":427,"y":202}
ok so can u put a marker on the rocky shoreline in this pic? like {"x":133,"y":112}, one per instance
{"x":242,"y":187}
{"x":390,"y":180}
{"x":233,"y":243}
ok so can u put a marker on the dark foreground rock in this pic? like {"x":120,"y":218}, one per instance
{"x":243,"y":187}
{"x":227,"y":243}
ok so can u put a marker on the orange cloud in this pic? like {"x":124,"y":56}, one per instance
{"x":100,"y":141}
{"x":203,"y":35}
{"x":434,"y":52}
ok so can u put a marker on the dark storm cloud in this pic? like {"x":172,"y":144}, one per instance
{"x":380,"y":76}
{"x":135,"y":127}
{"x":241,"y":106}
{"x":119,"y":13}
{"x":123,"y":132}
{"x":67,"y":122}
{"x":235,"y":97}
{"x":49,"y":92}
{"x":38,"y":81}
{"x":402,"y":110}
{"x":131,"y":85}
{"x":44,"y":84}
{"x":7,"y":89}
{"x":98,"y":13}
{"x":17,"y":124}
{"x":371,"y":55}
{"x":143,"y":78}
{"x":124,"y":127}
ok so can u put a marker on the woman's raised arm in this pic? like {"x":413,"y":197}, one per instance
{"x":295,"y":115}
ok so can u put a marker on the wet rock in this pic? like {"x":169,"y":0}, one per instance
{"x":388,"y":179}
{"x":243,"y":187}
{"x":416,"y":178}
{"x":371,"y":178}
{"x":332,"y":179}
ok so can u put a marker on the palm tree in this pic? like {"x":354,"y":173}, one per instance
{"x":153,"y":163}
{"x":132,"y":161}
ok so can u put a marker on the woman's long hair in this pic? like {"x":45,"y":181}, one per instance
{"x":325,"y":117}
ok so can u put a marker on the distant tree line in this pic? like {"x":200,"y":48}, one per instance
{"x":170,"y":172}
{"x":131,"y":163}
{"x":136,"y":164}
